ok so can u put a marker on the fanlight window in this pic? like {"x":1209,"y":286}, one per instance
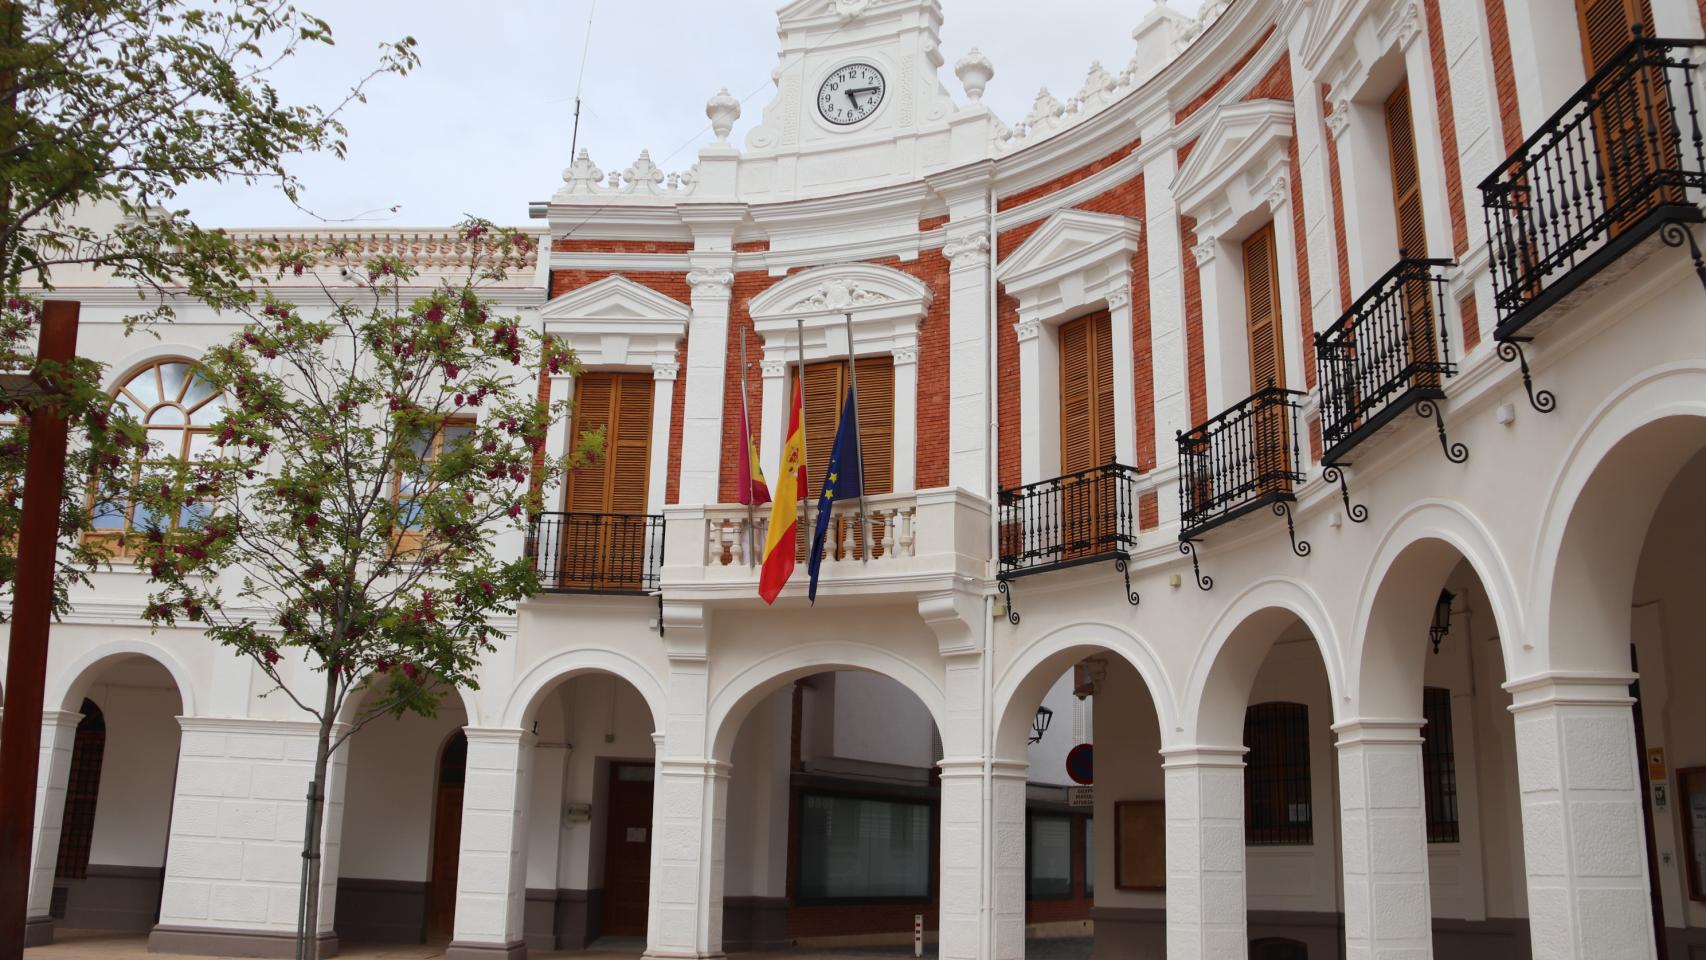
{"x":179,"y":406}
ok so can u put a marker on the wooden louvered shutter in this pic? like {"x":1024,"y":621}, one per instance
{"x":1077,"y":399}
{"x":1628,"y":103}
{"x":825,"y":385}
{"x":1270,"y":453}
{"x":826,"y":390}
{"x":876,"y":423}
{"x":604,"y":537}
{"x":1086,"y":433}
{"x":1412,"y":232}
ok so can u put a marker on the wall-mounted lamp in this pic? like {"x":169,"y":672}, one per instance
{"x":1039,"y":724}
{"x":1441,"y":627}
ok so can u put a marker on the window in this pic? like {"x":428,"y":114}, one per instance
{"x":1048,"y":857}
{"x":1086,"y":393}
{"x":1419,"y":342}
{"x":1276,"y":775}
{"x":411,"y":485}
{"x":179,"y":406}
{"x":826,"y":388}
{"x":605,"y":534}
{"x":1089,"y":857}
{"x":1439,"y":766}
{"x":82,"y":789}
{"x":1262,"y":310}
{"x":856,"y":848}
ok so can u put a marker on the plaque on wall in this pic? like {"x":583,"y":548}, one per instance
{"x":1140,"y":845}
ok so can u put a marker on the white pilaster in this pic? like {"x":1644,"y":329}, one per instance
{"x":491,"y":870}
{"x":1125,"y":388}
{"x":558,"y":442}
{"x":1206,"y":903}
{"x":1168,"y":365}
{"x":53,"y":773}
{"x":772,"y":423}
{"x":968,"y":358}
{"x":1032,"y":390}
{"x":1584,"y":843}
{"x":1430,"y":150}
{"x":1007,"y":865}
{"x":663,"y":407}
{"x":707,"y":355}
{"x":1383,"y":818}
{"x":905,"y":418}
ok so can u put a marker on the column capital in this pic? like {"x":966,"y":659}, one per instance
{"x":1119,"y":297}
{"x":1371,"y":730}
{"x":1027,"y":330}
{"x":666,"y":371}
{"x":1570,"y":688}
{"x":711,"y":282}
{"x":967,"y":252}
{"x":497,"y":735}
{"x":1204,"y":251}
{"x":1198,"y":755}
{"x":695,"y":767}
{"x":1279,"y":191}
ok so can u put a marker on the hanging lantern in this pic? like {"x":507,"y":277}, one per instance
{"x":1039,"y":724}
{"x":1441,"y":627}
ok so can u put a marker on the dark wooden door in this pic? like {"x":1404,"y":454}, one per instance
{"x":446,"y":839}
{"x":628,"y":849}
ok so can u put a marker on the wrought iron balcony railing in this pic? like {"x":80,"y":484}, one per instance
{"x":1388,"y":353}
{"x":1239,"y":461}
{"x":1083,"y":517}
{"x":1620,"y":159}
{"x":613,"y":553}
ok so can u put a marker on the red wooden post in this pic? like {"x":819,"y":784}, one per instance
{"x":32,"y":613}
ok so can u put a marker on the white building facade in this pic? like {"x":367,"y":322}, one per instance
{"x":1314,"y":409}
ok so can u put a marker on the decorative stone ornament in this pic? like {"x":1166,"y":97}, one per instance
{"x":711,"y":283}
{"x":849,"y":9}
{"x":723,"y":110}
{"x":582,"y":176}
{"x":839,"y":294}
{"x":975,"y":71}
{"x":972,"y":251}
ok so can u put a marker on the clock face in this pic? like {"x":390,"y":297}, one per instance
{"x":851,"y":94}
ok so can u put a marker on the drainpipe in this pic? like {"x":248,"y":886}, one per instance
{"x":986,"y":933}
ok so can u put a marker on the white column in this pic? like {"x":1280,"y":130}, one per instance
{"x":1206,"y":904}
{"x":685,"y":918}
{"x":1125,"y":387}
{"x":1383,"y":819}
{"x":234,"y":854}
{"x":969,"y":282}
{"x":1007,"y":867}
{"x":905,"y":417}
{"x":772,"y":419}
{"x":1293,"y":312}
{"x":663,"y":407}
{"x":1168,"y":365}
{"x":707,"y":359}
{"x":558,"y":442}
{"x":58,"y":737}
{"x":1584,"y":843}
{"x":962,"y":858}
{"x":1032,"y":392}
{"x":1319,"y":221}
{"x":1430,"y":149}
{"x":491,"y":869}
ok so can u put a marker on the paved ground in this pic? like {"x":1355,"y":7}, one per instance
{"x":97,"y":945}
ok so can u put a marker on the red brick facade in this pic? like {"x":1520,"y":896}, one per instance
{"x":1447,"y":129}
{"x":1504,"y":75}
{"x":1208,"y":94}
{"x":746,"y":286}
{"x":1195,"y":371}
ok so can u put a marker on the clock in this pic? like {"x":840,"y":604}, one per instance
{"x":852,"y":93}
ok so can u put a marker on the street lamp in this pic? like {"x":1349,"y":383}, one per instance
{"x":1441,"y":626}
{"x":1039,"y":725}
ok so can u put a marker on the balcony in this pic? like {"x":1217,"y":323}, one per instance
{"x":603,"y":553}
{"x":1615,"y":164}
{"x":1083,"y":517}
{"x":1388,"y":353}
{"x":1246,"y":458}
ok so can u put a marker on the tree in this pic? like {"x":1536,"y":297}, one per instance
{"x":117,"y":104}
{"x":347,"y":512}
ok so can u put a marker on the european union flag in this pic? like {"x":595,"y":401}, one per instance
{"x":843,"y":480}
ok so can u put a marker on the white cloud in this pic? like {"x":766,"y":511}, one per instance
{"x":484,"y":125}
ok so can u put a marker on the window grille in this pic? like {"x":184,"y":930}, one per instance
{"x":81,"y":791}
{"x":1439,"y":766}
{"x":1277,"y":808}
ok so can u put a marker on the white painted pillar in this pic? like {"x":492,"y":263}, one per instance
{"x":53,"y":773}
{"x":1225,"y":349}
{"x":558,"y":442}
{"x":1584,"y":842}
{"x":707,"y":358}
{"x":969,"y":282}
{"x":1383,"y":819}
{"x":905,"y":417}
{"x":1293,"y":325}
{"x":1007,"y":867}
{"x":1365,"y":182}
{"x":663,"y":407}
{"x":1206,"y":903}
{"x":1430,"y":150}
{"x":772,"y":416}
{"x":961,"y":863}
{"x":1319,"y":220}
{"x":491,"y":869}
{"x":1032,"y":392}
{"x":1168,"y":364}
{"x":689,"y":815}
{"x":1125,"y":387}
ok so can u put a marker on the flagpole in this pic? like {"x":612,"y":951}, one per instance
{"x":805,"y":458}
{"x":858,"y":441}
{"x":746,"y":438}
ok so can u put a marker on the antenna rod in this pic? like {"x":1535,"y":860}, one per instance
{"x":580,"y":81}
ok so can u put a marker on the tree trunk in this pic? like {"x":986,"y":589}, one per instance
{"x":308,"y":936}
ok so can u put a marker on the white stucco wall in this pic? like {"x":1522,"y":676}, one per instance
{"x":138,"y":766}
{"x":390,"y":794}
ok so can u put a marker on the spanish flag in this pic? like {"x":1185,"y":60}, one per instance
{"x":779,"y":545}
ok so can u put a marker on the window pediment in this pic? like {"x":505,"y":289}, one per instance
{"x":886,"y":307}
{"x":617,"y":323}
{"x":1073,"y":259}
{"x":1233,"y":165}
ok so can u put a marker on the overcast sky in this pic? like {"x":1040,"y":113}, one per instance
{"x":483,"y":126}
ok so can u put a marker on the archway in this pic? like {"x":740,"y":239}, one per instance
{"x":114,"y":750}
{"x":1108,"y":854}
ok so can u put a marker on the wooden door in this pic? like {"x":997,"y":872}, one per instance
{"x":446,"y":838}
{"x":1632,"y":120}
{"x":628,"y":849}
{"x":1089,"y":510}
{"x":1416,"y":299}
{"x":604,"y":538}
{"x":1268,"y":450}
{"x":826,"y":391}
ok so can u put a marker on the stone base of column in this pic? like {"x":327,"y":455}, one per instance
{"x":486,"y":951}
{"x":38,"y":931}
{"x":668,"y":955}
{"x":217,"y":942}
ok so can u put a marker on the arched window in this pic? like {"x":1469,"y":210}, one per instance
{"x":180,"y":406}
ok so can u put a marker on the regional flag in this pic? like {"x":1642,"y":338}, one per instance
{"x":779,"y":547}
{"x":750,"y":487}
{"x":843,"y":479}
